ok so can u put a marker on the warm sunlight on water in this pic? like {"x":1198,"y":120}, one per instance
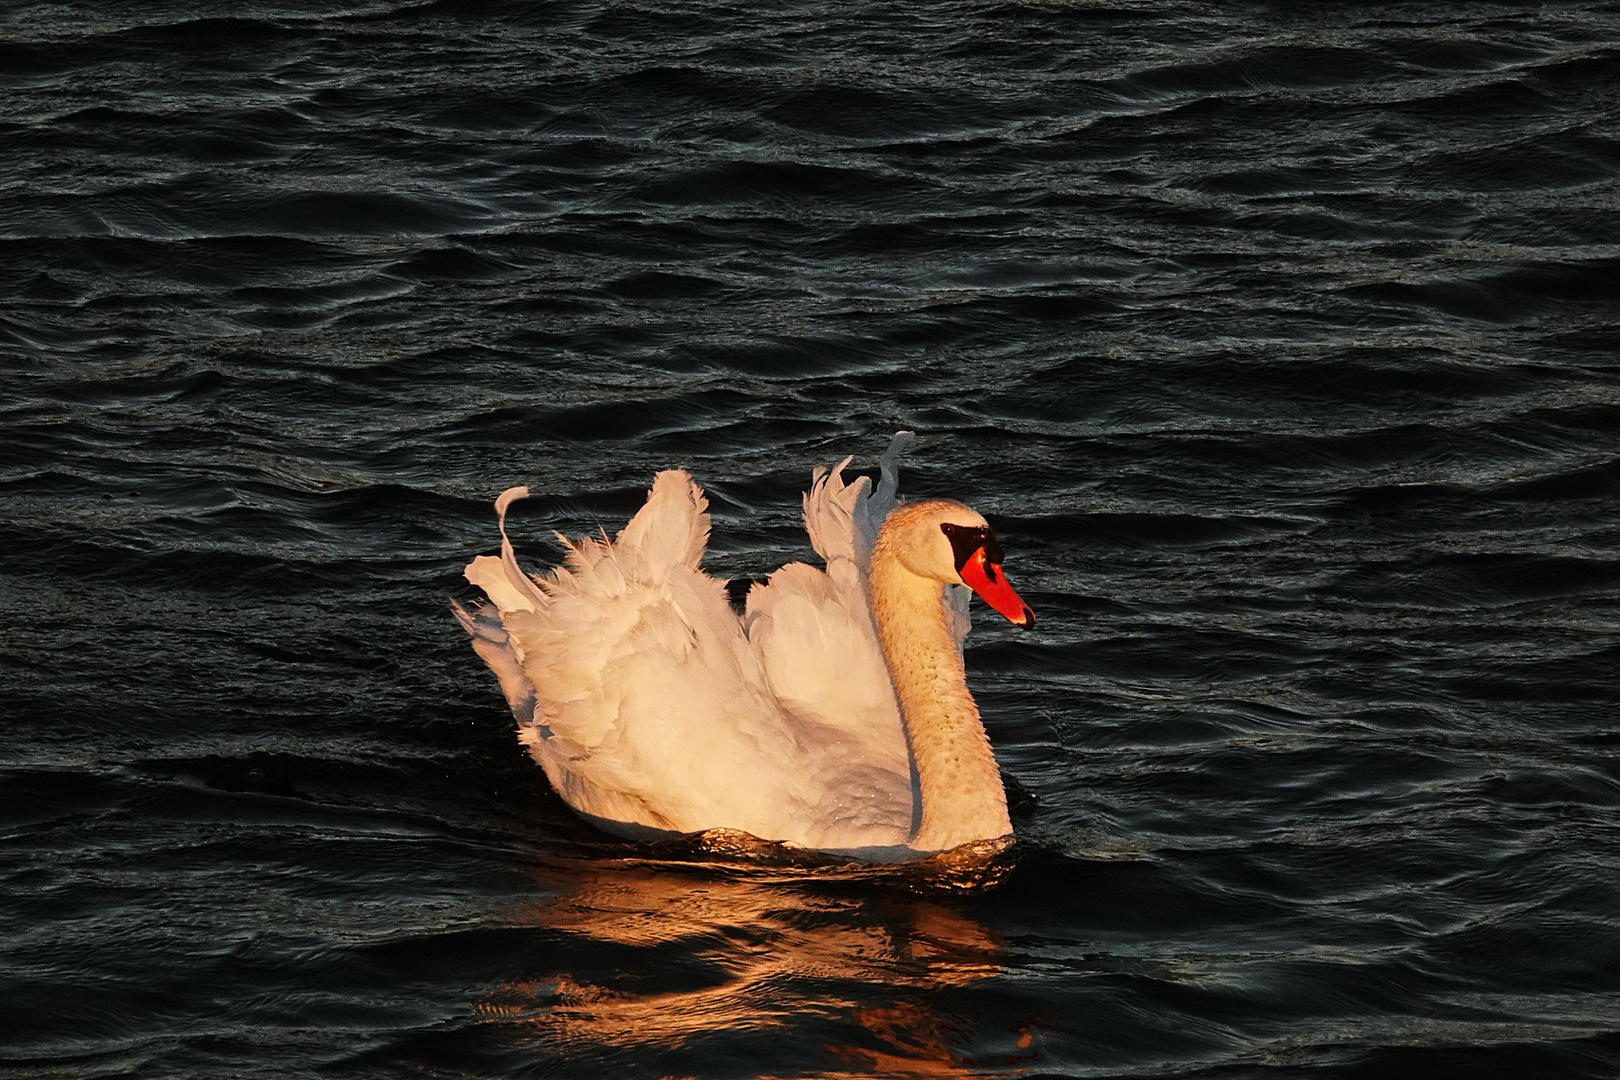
{"x":773,"y":967}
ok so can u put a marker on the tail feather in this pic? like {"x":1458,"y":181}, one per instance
{"x":830,"y":508}
{"x":886,"y":496}
{"x":843,"y":519}
{"x":502,"y":579}
{"x":671,"y":531}
{"x":492,"y":642}
{"x":500,"y":585}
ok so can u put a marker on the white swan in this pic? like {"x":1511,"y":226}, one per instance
{"x":833,"y":715}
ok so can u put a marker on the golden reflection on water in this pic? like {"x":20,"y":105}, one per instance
{"x":772,"y":951}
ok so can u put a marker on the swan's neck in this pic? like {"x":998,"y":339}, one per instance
{"x":962,"y":796}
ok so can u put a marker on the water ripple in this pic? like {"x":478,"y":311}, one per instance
{"x":1277,"y":344}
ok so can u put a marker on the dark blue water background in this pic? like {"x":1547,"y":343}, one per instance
{"x":1278,"y":341}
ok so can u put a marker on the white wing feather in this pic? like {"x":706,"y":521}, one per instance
{"x":654,"y":709}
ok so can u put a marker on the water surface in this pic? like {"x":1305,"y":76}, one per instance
{"x":1278,"y":343}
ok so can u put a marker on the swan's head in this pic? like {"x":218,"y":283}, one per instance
{"x":946,"y":541}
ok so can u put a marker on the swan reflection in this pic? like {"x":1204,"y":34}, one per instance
{"x":720,"y":968}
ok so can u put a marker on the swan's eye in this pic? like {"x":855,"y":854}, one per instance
{"x":969,"y":540}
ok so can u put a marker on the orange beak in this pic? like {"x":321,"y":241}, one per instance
{"x":985,"y":578}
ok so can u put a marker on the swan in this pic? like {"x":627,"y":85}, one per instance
{"x":834,"y":714}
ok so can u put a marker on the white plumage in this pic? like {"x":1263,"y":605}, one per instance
{"x":655,"y":710}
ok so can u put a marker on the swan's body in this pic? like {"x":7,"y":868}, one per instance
{"x":833,"y":715}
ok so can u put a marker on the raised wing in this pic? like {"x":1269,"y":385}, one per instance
{"x":646,"y":700}
{"x":813,"y":632}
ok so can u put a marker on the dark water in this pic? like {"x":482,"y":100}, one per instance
{"x":1279,"y":342}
